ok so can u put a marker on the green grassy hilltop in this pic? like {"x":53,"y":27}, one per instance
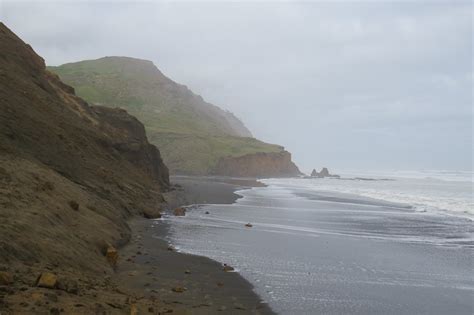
{"x":191,"y":134}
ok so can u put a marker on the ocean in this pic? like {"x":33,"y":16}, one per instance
{"x":391,"y":243}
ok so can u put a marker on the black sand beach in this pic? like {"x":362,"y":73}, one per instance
{"x":149,"y":268}
{"x":331,"y":253}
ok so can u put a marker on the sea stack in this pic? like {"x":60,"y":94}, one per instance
{"x":324,"y":173}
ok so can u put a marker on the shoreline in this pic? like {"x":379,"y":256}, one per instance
{"x":148,"y":278}
{"x":148,"y":265}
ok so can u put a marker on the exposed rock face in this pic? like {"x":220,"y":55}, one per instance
{"x":68,"y":171}
{"x":131,"y":142}
{"x":258,"y":165}
{"x":314,"y":173}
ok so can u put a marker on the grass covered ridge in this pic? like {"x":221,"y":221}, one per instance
{"x":191,"y":134}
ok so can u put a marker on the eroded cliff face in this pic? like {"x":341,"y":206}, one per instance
{"x":70,"y":173}
{"x":258,"y":165}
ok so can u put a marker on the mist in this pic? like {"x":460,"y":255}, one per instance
{"x":347,"y":85}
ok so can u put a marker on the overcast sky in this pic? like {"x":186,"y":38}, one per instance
{"x":348,"y":85}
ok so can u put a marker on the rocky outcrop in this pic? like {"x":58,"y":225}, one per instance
{"x":70,"y":174}
{"x":324,"y":173}
{"x":129,"y":139}
{"x":277,"y":164}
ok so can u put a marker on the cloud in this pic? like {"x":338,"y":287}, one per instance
{"x":388,"y":83}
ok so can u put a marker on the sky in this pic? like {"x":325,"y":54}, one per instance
{"x":349,"y":85}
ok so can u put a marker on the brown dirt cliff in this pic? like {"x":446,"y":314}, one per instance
{"x":277,"y":164}
{"x":70,"y":173}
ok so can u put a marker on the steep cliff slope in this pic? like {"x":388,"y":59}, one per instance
{"x":258,"y":165}
{"x":70,"y":173}
{"x":192,"y":134}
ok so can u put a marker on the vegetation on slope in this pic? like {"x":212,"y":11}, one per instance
{"x":191,"y":134}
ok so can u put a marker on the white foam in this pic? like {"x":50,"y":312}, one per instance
{"x":424,"y":194}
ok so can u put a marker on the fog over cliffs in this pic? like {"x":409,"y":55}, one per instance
{"x":386,"y":84}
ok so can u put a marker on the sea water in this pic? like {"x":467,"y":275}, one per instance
{"x":375,"y":245}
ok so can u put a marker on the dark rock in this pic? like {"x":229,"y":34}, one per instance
{"x":152,"y":213}
{"x":248,"y":225}
{"x":6,"y":278}
{"x":178,"y":289}
{"x":239,"y":306}
{"x":5,"y":289}
{"x":51,"y":297}
{"x":74,"y":205}
{"x":70,"y":286}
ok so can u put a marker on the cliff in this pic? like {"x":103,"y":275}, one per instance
{"x":70,"y":173}
{"x":276,"y":164}
{"x":192,"y":133}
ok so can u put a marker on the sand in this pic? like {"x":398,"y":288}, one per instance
{"x":148,"y":265}
{"x":147,"y":275}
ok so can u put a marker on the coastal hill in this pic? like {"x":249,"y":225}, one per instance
{"x":70,"y":174}
{"x":195,"y":137}
{"x":75,"y":183}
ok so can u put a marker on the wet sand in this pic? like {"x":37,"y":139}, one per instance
{"x":333,"y":253}
{"x":148,"y":266}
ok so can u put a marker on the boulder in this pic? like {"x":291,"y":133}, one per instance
{"x":248,"y":225}
{"x":314,"y":173}
{"x":133,"y":309}
{"x":178,"y":289}
{"x":179,"y":212}
{"x":70,"y":286}
{"x":152,"y":213}
{"x":47,"y":280}
{"x":5,"y":278}
{"x":112,"y":255}
{"x":239,"y":306}
{"x":74,"y":205}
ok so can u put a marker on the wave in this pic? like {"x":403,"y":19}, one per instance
{"x":444,"y":175}
{"x":423,"y":194}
